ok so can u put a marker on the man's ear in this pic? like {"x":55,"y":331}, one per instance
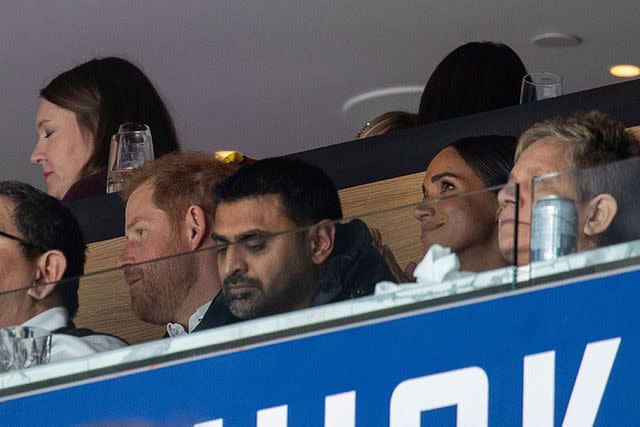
{"x":600,"y":213}
{"x":50,"y":267}
{"x":196,"y":227}
{"x":322,"y":241}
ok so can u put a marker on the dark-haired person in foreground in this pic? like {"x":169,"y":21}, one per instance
{"x":41,"y":245}
{"x":170,"y":212}
{"x":605,"y":198}
{"x":265,"y":267}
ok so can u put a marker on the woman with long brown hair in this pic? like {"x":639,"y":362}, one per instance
{"x":80,"y":110}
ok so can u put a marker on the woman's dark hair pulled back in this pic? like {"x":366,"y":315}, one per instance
{"x":106,"y":92}
{"x":490,"y":156}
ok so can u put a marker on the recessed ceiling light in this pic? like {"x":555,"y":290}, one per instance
{"x":625,"y":70}
{"x":556,"y":40}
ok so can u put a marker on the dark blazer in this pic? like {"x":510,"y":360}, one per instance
{"x":93,"y":185}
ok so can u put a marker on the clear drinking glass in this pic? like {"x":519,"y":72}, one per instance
{"x":537,"y":86}
{"x":23,"y":347}
{"x":131,"y":147}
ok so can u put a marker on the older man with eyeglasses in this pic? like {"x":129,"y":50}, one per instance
{"x":42,"y":253}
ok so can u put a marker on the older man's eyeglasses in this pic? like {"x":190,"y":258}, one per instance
{"x":22,"y":241}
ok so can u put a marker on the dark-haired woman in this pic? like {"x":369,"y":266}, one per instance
{"x":474,"y":77}
{"x":467,"y":224}
{"x":80,"y":110}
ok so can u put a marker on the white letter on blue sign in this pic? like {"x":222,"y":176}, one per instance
{"x":592,"y":379}
{"x":538,"y":393}
{"x":340,"y":410}
{"x":212,"y":423}
{"x":272,"y":417}
{"x":466,"y":388}
{"x":538,"y":388}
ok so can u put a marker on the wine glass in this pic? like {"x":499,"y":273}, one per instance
{"x":130,"y":148}
{"x":537,"y":86}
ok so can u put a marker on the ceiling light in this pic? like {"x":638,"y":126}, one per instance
{"x":556,"y":40}
{"x":625,"y":70}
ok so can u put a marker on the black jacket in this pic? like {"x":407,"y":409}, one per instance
{"x":354,"y":268}
{"x":218,"y":314}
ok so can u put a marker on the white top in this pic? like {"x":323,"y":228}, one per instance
{"x":64,"y":346}
{"x":176,"y":329}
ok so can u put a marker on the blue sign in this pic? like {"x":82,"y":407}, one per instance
{"x":563,"y":355}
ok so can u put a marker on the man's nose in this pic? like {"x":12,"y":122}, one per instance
{"x":507,"y":196}
{"x":126,"y":257}
{"x":234,"y":260}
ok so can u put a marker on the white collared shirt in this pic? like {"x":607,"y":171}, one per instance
{"x":176,"y":329}
{"x":64,"y":346}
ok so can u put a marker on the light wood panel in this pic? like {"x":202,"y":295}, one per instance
{"x":388,"y":205}
{"x":104,"y":255}
{"x":381,"y":195}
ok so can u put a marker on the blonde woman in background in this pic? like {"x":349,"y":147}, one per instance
{"x":388,"y":122}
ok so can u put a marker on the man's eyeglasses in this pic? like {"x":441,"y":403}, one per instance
{"x":21,"y":241}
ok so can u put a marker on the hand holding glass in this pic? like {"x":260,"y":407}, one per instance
{"x":131,"y":147}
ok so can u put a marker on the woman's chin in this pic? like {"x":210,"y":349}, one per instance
{"x":56,"y":191}
{"x":426,"y":245}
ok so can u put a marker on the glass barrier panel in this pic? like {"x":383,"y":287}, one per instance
{"x":584,"y":220}
{"x":23,"y":342}
{"x":261,"y":280}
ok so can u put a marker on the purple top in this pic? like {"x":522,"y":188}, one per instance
{"x":93,"y":185}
